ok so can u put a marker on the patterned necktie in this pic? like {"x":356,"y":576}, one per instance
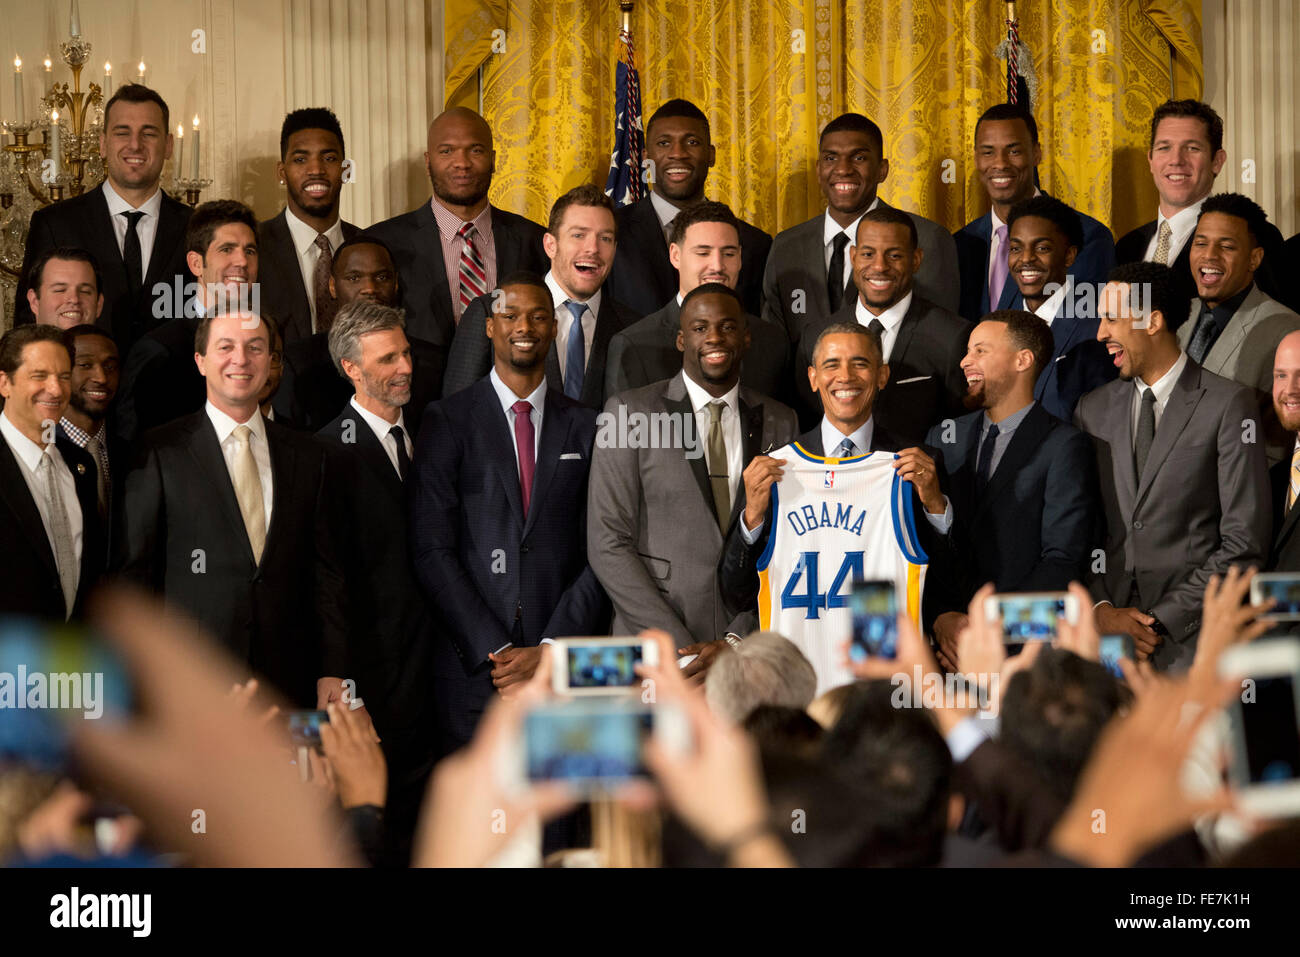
{"x":132,"y":257}
{"x":248,"y":491}
{"x":1164,"y":236}
{"x":1293,"y":489}
{"x":403,"y":460}
{"x":846,"y":450}
{"x":525,"y":440}
{"x":984,"y":467}
{"x":835,"y":272}
{"x":103,"y":481}
{"x":65,"y":556}
{"x":998,"y":274}
{"x":473,"y":274}
{"x":719,"y":478}
{"x":1146,"y":431}
{"x":575,"y":355}
{"x":326,"y":305}
{"x":1203,"y":335}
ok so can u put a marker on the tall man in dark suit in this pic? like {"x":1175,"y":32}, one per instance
{"x":1284,"y":477}
{"x":678,"y":147}
{"x":705,"y":248}
{"x":1184,"y":484}
{"x":1044,"y":239}
{"x":1022,"y":482}
{"x":661,"y":505}
{"x":389,"y":629}
{"x":226,"y":517}
{"x":160,"y":382}
{"x":53,"y":542}
{"x":922,"y":343}
{"x":581,"y":240}
{"x":1006,"y":155}
{"x":299,"y":245}
{"x":451,"y":250}
{"x":135,"y":231}
{"x":63,"y":288}
{"x":498,"y":517}
{"x":810,"y":272}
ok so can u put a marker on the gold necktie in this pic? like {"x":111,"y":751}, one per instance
{"x":718,"y":474}
{"x":248,"y":491}
{"x":1163,"y":238}
{"x":1293,"y":489}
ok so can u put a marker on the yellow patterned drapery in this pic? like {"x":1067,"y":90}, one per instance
{"x":769,"y":74}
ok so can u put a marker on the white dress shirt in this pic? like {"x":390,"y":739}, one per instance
{"x":1051,"y":306}
{"x":1181,"y":226}
{"x":831,"y":229}
{"x":29,"y":455}
{"x":891,"y":319}
{"x":507,"y":398}
{"x":700,"y":400}
{"x":225,"y":426}
{"x":146,"y":228}
{"x":994,"y":246}
{"x":304,"y":244}
{"x":380,"y":427}
{"x":564,"y":323}
{"x":1163,"y":389}
{"x":665,"y":210}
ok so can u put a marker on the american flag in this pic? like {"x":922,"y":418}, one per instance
{"x":624,"y":183}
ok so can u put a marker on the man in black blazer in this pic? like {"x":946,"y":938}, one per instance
{"x":1284,"y":477}
{"x":296,"y":266}
{"x":370,"y":444}
{"x":1022,"y":482}
{"x":226,"y":516}
{"x":680,"y":153}
{"x":1006,"y":155}
{"x":64,"y":288}
{"x":809,"y":272}
{"x":581,"y":242}
{"x":923,"y":344}
{"x":134,"y":230}
{"x":498,"y":517}
{"x":442,"y":272}
{"x":706,"y":248}
{"x":49,"y":562}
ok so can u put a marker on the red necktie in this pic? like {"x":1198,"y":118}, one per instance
{"x":473,"y":274}
{"x":527,"y":452}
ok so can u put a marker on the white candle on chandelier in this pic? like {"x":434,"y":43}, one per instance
{"x":108,"y":80}
{"x":180,"y":151}
{"x":49,"y":76}
{"x":194,"y":150}
{"x":74,"y":27}
{"x":18,"y":89}
{"x":56,"y":150}
{"x":139,"y":77}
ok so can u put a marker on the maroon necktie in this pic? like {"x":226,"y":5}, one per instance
{"x":527,"y":451}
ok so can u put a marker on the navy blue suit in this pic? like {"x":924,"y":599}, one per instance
{"x":1094,"y":263}
{"x":492,"y":577}
{"x":1079,"y":364}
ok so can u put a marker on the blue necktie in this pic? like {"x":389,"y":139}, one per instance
{"x":983,"y":467}
{"x":575,"y":354}
{"x":846,"y":450}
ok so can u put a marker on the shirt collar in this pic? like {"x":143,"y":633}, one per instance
{"x":831,"y":229}
{"x":1011,"y":422}
{"x":449,"y":223}
{"x":1228,"y":308}
{"x":700,"y":398}
{"x":507,"y":398}
{"x":891,"y":317}
{"x":378,"y":424}
{"x":832,"y":437}
{"x":998,"y":222}
{"x":1182,"y":221}
{"x":78,"y":435}
{"x":1165,"y":387}
{"x":23,"y":447}
{"x":559,"y":297}
{"x":304,"y":236}
{"x":117,"y":205}
{"x":224,"y":424}
{"x":665,"y":210}
{"x":1051,"y":307}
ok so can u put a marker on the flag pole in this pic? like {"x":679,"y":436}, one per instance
{"x":626,"y":7}
{"x":1013,"y":41}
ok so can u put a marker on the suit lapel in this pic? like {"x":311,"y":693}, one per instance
{"x":103,"y":238}
{"x":284,"y":461}
{"x":506,"y":241}
{"x":285,"y":261}
{"x":14,"y":491}
{"x":555,"y":430}
{"x":206,"y":452}
{"x":1024,"y":442}
{"x":376,"y":458}
{"x":906,"y":329}
{"x":1178,"y":412}
{"x":170,"y":235}
{"x":494,"y":428}
{"x":651,"y":246}
{"x":814,"y":264}
{"x":1065,"y":330}
{"x":593,"y":381}
{"x":554,"y":377}
{"x":428,"y":237}
{"x":1121,"y":411}
{"x":678,"y":403}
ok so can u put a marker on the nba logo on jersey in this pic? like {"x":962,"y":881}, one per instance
{"x":831,"y":527}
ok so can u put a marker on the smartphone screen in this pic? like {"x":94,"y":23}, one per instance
{"x":1285,"y":589}
{"x":304,"y":727}
{"x":579,"y":742}
{"x":1113,"y":648}
{"x":873,"y":606}
{"x":1030,"y":619}
{"x":1272,"y":738}
{"x":603,"y":666}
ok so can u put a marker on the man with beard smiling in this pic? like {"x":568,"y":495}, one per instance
{"x":95,"y":377}
{"x":1183,"y":478}
{"x":64,"y":288}
{"x":298,"y":246}
{"x":498,"y":517}
{"x":451,"y":250}
{"x":659,"y":514}
{"x":1285,"y":476}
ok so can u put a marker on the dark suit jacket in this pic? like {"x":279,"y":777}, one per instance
{"x":471,"y":350}
{"x":284,"y":616}
{"x":1200,"y":505}
{"x":416,"y":245}
{"x":29,"y":577}
{"x":284,"y":297}
{"x":1079,"y":363}
{"x":926,"y":383}
{"x":1094,"y":262}
{"x":389,"y":628}
{"x":83,"y":221}
{"x":646,"y":352}
{"x":644,"y":278}
{"x":160,"y":380}
{"x":1034,"y":527}
{"x":312,"y":392}
{"x":1284,"y":556}
{"x":119,"y":460}
{"x":492,"y":575}
{"x":797,"y":265}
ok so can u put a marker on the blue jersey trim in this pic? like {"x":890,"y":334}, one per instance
{"x":773,"y":511}
{"x":823,"y":459}
{"x":905,"y":522}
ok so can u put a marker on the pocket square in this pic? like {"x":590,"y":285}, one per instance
{"x":570,"y":455}
{"x":916,"y":378}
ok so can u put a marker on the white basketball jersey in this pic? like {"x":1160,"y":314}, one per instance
{"x":834,"y":521}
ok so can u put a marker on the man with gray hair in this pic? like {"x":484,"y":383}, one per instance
{"x":369,"y":448}
{"x":765,"y":668}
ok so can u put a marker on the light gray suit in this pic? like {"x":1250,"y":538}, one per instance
{"x":1200,"y":505}
{"x":797,"y":263}
{"x":652,"y":536}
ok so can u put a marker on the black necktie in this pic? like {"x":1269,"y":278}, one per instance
{"x":403,"y":463}
{"x":1203,"y":335}
{"x":131,"y":256}
{"x":985,"y":464}
{"x":835,"y":273}
{"x":1146,"y":431}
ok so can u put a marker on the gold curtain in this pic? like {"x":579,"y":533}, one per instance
{"x":770,"y":74}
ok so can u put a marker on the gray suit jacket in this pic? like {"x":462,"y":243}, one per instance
{"x":652,"y":537}
{"x":797,"y":264}
{"x":1200,"y":505}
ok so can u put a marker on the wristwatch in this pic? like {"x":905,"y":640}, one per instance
{"x":732,"y":639}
